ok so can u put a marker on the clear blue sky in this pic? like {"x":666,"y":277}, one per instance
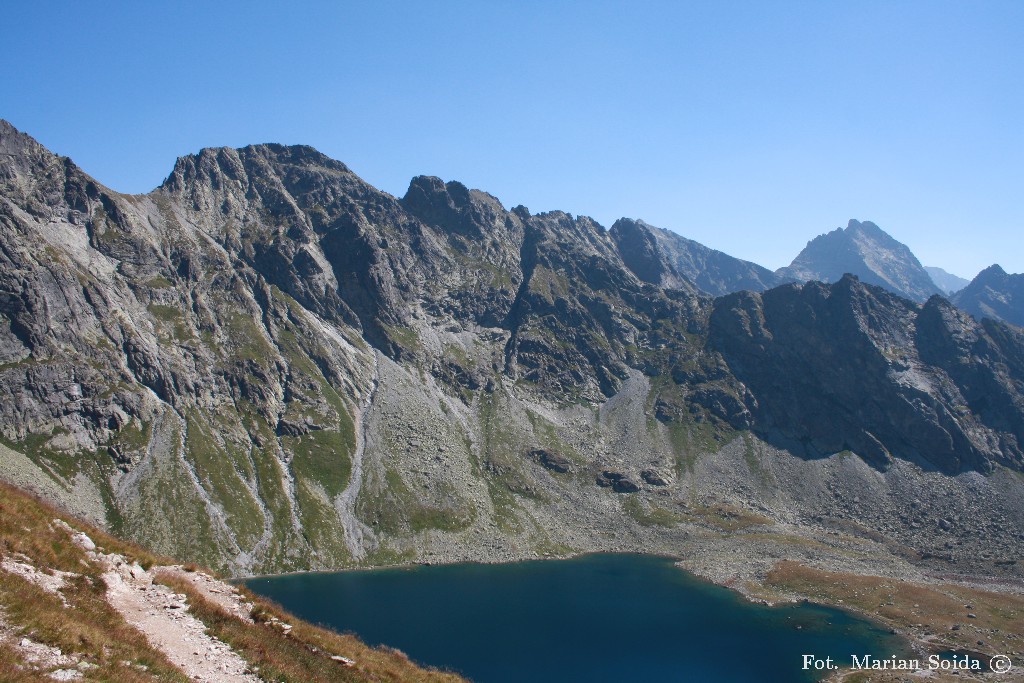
{"x":748,"y":126}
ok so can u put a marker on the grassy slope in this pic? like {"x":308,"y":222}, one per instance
{"x":89,"y":630}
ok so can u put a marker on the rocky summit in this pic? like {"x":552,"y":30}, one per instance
{"x":996,"y":294}
{"x":266,"y":364}
{"x":867,"y":251}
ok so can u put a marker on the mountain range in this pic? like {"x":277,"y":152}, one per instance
{"x":266,"y":364}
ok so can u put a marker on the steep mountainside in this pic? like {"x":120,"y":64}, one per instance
{"x":267,"y":364}
{"x":664,"y":258}
{"x":947,"y":282}
{"x":864,"y":250}
{"x":996,"y":294}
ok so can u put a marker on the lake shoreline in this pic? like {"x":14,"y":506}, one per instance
{"x":718,"y":601}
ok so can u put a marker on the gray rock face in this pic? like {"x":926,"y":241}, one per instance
{"x":874,"y":374}
{"x":947,"y":282}
{"x":995,"y":294}
{"x":865,"y":250}
{"x":267,"y":364}
{"x":666,"y":259}
{"x":617,"y":481}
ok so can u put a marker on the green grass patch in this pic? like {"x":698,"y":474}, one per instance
{"x":217,"y":471}
{"x":134,"y":436}
{"x":396,"y":510}
{"x":405,"y":337}
{"x":505,"y":507}
{"x":248,"y":342}
{"x":159,"y":282}
{"x":322,"y":456}
{"x":647,"y":514}
{"x":727,"y":517}
{"x":165,"y":314}
{"x":59,"y":465}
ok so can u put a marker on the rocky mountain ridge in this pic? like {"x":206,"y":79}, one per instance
{"x":995,"y":294}
{"x":664,"y":258}
{"x":268,"y":364}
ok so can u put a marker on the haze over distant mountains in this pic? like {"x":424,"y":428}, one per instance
{"x":945,"y":281}
{"x":665,"y":258}
{"x":868,"y":252}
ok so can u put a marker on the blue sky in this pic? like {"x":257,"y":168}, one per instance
{"x":748,"y":126}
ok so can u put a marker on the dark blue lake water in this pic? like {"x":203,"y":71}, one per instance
{"x":595,"y":618}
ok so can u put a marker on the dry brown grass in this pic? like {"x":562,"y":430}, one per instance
{"x":929,"y":611}
{"x":14,"y":670}
{"x":304,"y":655}
{"x":88,"y":626}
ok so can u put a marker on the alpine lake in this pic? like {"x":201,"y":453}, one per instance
{"x":603,"y":617}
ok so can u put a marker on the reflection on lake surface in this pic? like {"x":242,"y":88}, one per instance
{"x":593,"y":618}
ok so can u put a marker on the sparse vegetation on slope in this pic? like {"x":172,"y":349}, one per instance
{"x":58,"y":618}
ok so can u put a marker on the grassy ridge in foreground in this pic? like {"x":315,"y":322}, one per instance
{"x":94,"y":640}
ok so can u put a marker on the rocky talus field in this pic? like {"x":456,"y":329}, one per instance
{"x":266,"y":365}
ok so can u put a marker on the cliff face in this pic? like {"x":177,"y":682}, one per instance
{"x":867,"y":251}
{"x":995,"y":294}
{"x":268,"y":364}
{"x":849,"y":367}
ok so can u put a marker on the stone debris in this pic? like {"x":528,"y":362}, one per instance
{"x":163,"y":616}
{"x":51,"y":583}
{"x":221,"y":594}
{"x":41,"y":656}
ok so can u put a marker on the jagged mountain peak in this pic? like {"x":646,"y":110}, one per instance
{"x":453,"y":205}
{"x":994,"y":293}
{"x":13,"y":142}
{"x":864,"y":249}
{"x":22,"y":152}
{"x":234,"y":163}
{"x":995,"y":270}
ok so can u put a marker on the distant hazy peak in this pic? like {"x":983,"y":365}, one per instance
{"x":867,"y":251}
{"x":946,"y":281}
